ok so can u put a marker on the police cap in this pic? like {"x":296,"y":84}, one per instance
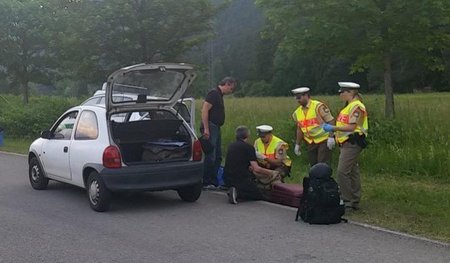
{"x":348,"y":85}
{"x":264,"y":129}
{"x":300,"y":90}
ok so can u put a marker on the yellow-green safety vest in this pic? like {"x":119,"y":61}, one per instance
{"x":344,"y":118}
{"x":310,"y":124}
{"x":270,"y":150}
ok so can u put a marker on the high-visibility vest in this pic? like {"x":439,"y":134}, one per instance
{"x":270,"y":150}
{"x":310,"y":123}
{"x":344,"y":118}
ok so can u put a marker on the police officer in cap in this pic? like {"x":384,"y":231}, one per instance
{"x":271,"y":151}
{"x":310,"y":116}
{"x":350,"y":131}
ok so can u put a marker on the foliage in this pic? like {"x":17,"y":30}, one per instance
{"x":28,"y":121}
{"x":25,"y":54}
{"x":368,"y":32}
{"x":84,"y":41}
{"x":254,"y":89}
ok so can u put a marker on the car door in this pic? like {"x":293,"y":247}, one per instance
{"x":55,"y":151}
{"x":87,"y":146}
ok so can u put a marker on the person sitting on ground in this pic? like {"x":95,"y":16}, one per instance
{"x":271,"y":151}
{"x":242,"y":174}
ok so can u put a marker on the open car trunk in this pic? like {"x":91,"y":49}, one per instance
{"x":150,"y":137}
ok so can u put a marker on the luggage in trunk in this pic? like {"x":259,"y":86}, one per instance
{"x":147,"y":141}
{"x":286,"y":194}
{"x":160,"y":150}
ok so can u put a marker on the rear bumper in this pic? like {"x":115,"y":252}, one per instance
{"x":153,"y":177}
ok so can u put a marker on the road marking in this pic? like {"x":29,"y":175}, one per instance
{"x":16,"y":154}
{"x":377,"y":228}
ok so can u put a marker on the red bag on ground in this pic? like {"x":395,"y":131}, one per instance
{"x":286,"y":194}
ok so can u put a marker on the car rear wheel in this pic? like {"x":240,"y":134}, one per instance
{"x":36,"y":175}
{"x":99,"y":196}
{"x":190,"y":193}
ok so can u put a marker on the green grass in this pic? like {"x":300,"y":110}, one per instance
{"x":16,"y":145}
{"x":405,"y":170}
{"x":411,"y":205}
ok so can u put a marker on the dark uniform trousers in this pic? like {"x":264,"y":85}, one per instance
{"x":319,"y":153}
{"x":348,"y":174}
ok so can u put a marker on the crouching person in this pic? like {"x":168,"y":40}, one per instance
{"x":271,"y":151}
{"x":244,"y":177}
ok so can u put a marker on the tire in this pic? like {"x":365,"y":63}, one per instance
{"x":98,"y":195}
{"x":36,"y":175}
{"x":190,"y":193}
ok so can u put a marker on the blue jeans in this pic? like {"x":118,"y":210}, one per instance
{"x":214,"y":158}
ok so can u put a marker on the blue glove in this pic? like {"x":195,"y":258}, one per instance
{"x":327,"y":127}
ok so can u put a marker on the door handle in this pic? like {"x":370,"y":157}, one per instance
{"x":66,"y":149}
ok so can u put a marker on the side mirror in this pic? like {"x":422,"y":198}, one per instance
{"x":46,"y":134}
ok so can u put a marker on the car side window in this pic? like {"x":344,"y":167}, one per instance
{"x":92,"y":101}
{"x":63,"y":130}
{"x":87,"y":127}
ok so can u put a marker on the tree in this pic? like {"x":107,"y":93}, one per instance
{"x":367,"y":32}
{"x":24,"y":43}
{"x":85,"y":40}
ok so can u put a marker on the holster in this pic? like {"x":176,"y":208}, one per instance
{"x":359,"y":139}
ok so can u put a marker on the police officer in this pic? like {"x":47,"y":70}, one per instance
{"x":309,"y":116}
{"x":271,"y":151}
{"x":350,"y":131}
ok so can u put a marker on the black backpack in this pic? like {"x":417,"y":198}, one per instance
{"x":320,"y":203}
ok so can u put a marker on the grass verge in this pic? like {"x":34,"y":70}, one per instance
{"x":418,"y":206}
{"x":16,"y":145}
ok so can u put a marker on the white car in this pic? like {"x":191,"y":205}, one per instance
{"x":101,"y":147}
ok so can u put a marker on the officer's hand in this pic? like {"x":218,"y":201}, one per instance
{"x":327,"y":127}
{"x":331,"y":143}
{"x":297,"y":150}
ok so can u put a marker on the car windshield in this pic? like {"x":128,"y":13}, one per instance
{"x":148,"y":85}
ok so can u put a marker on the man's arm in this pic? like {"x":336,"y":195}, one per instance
{"x":299,"y":137}
{"x":258,"y":171}
{"x":205,"y":118}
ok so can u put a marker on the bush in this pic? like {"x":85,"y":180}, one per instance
{"x":27,"y":121}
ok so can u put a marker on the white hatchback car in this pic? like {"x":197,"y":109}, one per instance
{"x":105,"y":148}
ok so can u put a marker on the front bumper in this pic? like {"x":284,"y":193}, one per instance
{"x":153,"y":177}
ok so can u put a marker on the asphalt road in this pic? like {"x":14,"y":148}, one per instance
{"x":57,"y":225}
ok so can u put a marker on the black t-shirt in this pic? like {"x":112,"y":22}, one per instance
{"x":217,"y":112}
{"x":238,"y":159}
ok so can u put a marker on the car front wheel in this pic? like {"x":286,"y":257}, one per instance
{"x":36,"y":175}
{"x":99,"y":196}
{"x":190,"y":193}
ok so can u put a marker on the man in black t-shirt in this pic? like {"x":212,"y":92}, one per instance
{"x":241,"y":171}
{"x":213,"y":117}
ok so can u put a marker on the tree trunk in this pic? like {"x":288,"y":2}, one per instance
{"x":389,"y":110}
{"x":24,"y":87}
{"x":23,"y":80}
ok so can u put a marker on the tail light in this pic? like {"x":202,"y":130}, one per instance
{"x":197,"y":151}
{"x":111,"y":157}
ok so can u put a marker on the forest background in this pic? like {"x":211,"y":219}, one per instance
{"x":56,"y":53}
